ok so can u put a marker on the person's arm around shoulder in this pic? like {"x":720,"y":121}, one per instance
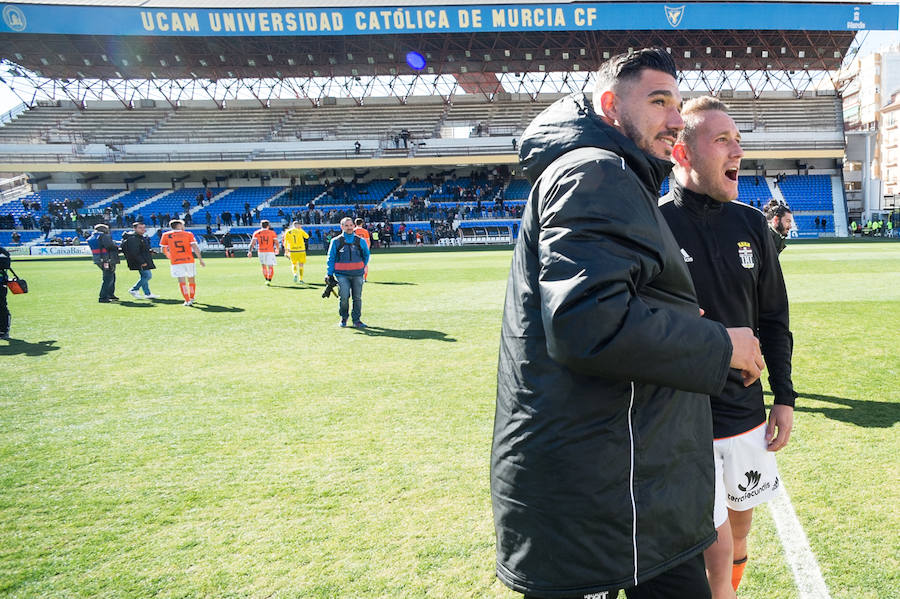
{"x":776,"y":341}
{"x":599,"y":245}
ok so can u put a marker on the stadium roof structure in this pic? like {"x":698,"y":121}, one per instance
{"x":221,"y":50}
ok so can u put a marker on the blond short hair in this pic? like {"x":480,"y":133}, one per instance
{"x":692,"y":111}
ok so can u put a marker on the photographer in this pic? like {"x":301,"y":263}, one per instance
{"x":347,"y":259}
{"x":106,"y":255}
{"x":5,"y":318}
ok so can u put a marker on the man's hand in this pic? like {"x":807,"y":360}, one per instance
{"x":250,"y":254}
{"x":202,"y":263}
{"x":782,"y":418}
{"x":745,"y":354}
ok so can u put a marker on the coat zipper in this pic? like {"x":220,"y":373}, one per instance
{"x":631,"y":487}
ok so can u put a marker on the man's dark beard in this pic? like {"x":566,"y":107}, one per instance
{"x":782,"y":230}
{"x":646,"y":145}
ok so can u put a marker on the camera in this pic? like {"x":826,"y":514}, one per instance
{"x":330,"y":284}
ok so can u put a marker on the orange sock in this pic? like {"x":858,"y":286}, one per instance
{"x":737,"y":572}
{"x":184,"y":291}
{"x":193,"y":287}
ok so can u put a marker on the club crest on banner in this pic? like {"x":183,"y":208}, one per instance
{"x":14,"y":18}
{"x":674,"y":14}
{"x":745,"y":252}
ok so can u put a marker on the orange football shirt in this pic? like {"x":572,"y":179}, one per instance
{"x":177,"y":246}
{"x":266,"y":239}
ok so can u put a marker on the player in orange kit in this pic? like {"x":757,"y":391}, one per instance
{"x":267,"y":241}
{"x":180,"y":247}
{"x":360,"y":231}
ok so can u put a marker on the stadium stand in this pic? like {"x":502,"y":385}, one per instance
{"x":807,"y":192}
{"x":774,"y":120}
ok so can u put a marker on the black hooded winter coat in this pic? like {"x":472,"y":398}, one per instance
{"x":602,"y":463}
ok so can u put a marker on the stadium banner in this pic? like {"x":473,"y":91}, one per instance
{"x":18,"y":250}
{"x":60,"y":250}
{"x":611,"y":16}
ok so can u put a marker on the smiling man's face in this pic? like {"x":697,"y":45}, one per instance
{"x":710,"y":159}
{"x":648,"y":112}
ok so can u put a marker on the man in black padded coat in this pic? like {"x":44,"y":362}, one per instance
{"x":601,"y":466}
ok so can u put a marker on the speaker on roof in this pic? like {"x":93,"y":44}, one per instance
{"x":329,"y":101}
{"x":145,"y":103}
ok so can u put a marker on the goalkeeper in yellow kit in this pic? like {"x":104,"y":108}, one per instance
{"x":294,"y":243}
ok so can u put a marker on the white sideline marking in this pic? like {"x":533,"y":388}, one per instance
{"x":807,"y":574}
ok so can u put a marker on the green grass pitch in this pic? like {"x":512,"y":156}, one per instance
{"x":248,"y":447}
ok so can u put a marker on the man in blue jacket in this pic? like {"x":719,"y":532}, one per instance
{"x":105,"y":253}
{"x":347,"y":259}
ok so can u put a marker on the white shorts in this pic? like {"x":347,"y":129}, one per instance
{"x":267,"y":258}
{"x":746,"y":473}
{"x":184,"y":270}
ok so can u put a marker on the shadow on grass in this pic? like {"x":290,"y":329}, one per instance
{"x":215,"y":308}
{"x":406,"y":333}
{"x":20,"y":346}
{"x":130,"y":304}
{"x":389,"y":283}
{"x":300,"y":286}
{"x":865,"y":413}
{"x":170,"y":302}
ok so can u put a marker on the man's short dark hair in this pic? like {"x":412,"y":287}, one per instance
{"x":358,"y":222}
{"x":775,"y":208}
{"x":135,"y":224}
{"x":628,"y":66}
{"x":264,"y":223}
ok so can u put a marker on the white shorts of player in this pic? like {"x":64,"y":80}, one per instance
{"x":184,"y":270}
{"x":267,"y":258}
{"x":746,"y":473}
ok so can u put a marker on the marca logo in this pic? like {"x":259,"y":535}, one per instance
{"x":752,"y":480}
{"x":745,"y":253}
{"x":600,"y":595}
{"x":674,"y":15}
{"x":14,"y":18}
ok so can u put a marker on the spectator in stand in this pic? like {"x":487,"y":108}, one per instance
{"x":138,"y":255}
{"x":824,"y":223}
{"x":356,"y":147}
{"x":16,"y":238}
{"x":208,"y":194}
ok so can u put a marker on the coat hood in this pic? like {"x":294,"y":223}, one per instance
{"x":571,"y":123}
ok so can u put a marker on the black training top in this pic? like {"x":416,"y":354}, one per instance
{"x":735,"y":269}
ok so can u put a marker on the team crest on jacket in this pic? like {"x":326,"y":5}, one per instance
{"x":745,"y":252}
